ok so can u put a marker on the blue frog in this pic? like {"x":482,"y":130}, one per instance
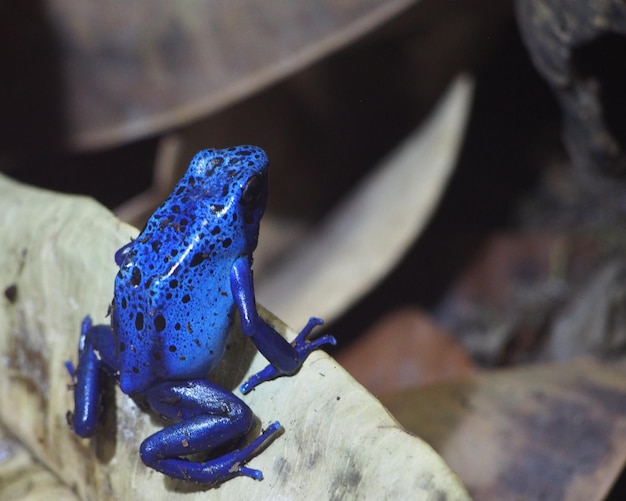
{"x":176,"y":293}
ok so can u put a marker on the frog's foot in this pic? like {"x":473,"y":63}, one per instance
{"x":212,"y":419}
{"x":213,"y":471}
{"x":302,"y":349}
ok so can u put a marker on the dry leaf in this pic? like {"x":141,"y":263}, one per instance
{"x":21,"y":477}
{"x":57,"y":264}
{"x":542,"y":432}
{"x":136,"y":69}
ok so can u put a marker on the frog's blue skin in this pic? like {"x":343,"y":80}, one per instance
{"x":176,"y":293}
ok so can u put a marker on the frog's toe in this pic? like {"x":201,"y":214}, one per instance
{"x":269,"y":372}
{"x":304,"y":349}
{"x":304,"y":333}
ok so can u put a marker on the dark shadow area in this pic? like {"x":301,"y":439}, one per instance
{"x":319,"y":150}
{"x":112,"y":176}
{"x":604,"y":60}
{"x":106,"y":437}
{"x":31,"y":87}
{"x":618,"y":491}
{"x":324,"y":127}
{"x":514,"y":116}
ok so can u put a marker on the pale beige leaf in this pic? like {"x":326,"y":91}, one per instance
{"x":23,"y":478}
{"x":57,"y":264}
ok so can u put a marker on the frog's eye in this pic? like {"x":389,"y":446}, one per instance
{"x":252,"y":191}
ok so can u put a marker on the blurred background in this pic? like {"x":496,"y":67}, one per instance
{"x":516,"y":262}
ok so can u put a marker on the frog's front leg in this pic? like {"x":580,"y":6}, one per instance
{"x":120,"y":254}
{"x":95,"y":356}
{"x":209,"y":418}
{"x":285,"y":358}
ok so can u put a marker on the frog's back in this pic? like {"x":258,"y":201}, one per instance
{"x":173,"y":306}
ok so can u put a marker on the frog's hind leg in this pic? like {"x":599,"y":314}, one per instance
{"x":95,"y":355}
{"x":210,"y":419}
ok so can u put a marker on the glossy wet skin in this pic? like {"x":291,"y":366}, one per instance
{"x":173,"y":305}
{"x":176,"y":293}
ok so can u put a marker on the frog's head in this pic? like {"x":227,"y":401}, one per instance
{"x":235,"y":188}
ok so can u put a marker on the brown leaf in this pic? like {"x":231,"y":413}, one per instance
{"x":136,"y":69}
{"x":403,"y":350}
{"x":540,"y":432}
